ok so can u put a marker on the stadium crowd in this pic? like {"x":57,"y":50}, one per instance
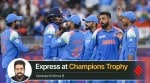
{"x":35,"y":11}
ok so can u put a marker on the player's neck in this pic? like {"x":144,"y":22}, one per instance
{"x":130,"y":24}
{"x":93,"y":29}
{"x":108,"y":28}
{"x":13,"y":27}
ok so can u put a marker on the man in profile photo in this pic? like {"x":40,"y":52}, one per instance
{"x":19,"y":69}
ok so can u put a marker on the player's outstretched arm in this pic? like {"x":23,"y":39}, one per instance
{"x":34,"y":48}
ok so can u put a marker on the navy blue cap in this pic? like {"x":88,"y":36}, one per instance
{"x":75,"y":19}
{"x":130,"y":15}
{"x":13,"y":17}
{"x":55,"y":12}
{"x":91,"y":18}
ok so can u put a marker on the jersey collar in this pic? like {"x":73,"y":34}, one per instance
{"x":112,"y":29}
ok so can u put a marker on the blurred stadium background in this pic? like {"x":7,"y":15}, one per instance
{"x":35,"y":11}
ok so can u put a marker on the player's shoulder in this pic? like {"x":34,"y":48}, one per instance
{"x":87,"y":32}
{"x":65,"y":37}
{"x":50,"y":26}
{"x":96,"y":32}
{"x":67,"y":34}
{"x":117,"y":29}
{"x":37,"y":23}
{"x":131,"y":32}
{"x":50,"y":29}
{"x":13,"y":34}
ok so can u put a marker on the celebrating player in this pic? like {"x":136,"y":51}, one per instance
{"x":72,"y":42}
{"x":106,"y":41}
{"x":130,"y":38}
{"x":55,"y":19}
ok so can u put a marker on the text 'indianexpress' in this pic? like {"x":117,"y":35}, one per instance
{"x":89,"y":67}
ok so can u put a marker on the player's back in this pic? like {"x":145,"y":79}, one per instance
{"x":73,"y":50}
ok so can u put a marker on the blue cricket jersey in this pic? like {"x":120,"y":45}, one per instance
{"x":11,"y":45}
{"x":49,"y":33}
{"x":71,"y":44}
{"x":88,"y":37}
{"x":106,"y":43}
{"x":38,"y":28}
{"x":130,"y":43}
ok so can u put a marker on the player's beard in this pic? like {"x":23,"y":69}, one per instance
{"x":104,"y":25}
{"x":17,"y":27}
{"x":88,"y":27}
{"x":58,"y":21}
{"x":125,"y":24}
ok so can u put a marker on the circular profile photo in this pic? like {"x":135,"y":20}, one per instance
{"x":19,"y":70}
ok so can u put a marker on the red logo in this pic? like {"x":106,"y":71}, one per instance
{"x":138,"y":70}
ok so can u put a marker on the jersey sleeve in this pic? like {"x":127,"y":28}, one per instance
{"x":131,"y":42}
{"x":16,"y":40}
{"x":61,"y":41}
{"x":90,"y":48}
{"x":50,"y":30}
{"x":48,"y":35}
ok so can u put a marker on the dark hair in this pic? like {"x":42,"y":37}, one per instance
{"x":133,"y":22}
{"x":39,"y":15}
{"x":52,"y":18}
{"x":105,"y":13}
{"x":9,"y":24}
{"x":20,"y":62}
{"x":77,"y":26}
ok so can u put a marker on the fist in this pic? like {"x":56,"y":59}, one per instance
{"x":119,"y":35}
{"x":119,"y":11}
{"x":36,"y":47}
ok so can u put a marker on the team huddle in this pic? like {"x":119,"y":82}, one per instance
{"x":69,"y":42}
{"x":64,"y":38}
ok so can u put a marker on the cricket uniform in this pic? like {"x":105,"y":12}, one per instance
{"x":130,"y":43}
{"x":71,"y":43}
{"x":88,"y":37}
{"x":12,"y":45}
{"x":129,"y":46}
{"x":107,"y":44}
{"x":107,"y":47}
{"x":49,"y":33}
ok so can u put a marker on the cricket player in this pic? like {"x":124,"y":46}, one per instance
{"x":71,"y":42}
{"x":11,"y":42}
{"x":130,"y":39}
{"x":106,"y":41}
{"x":55,"y":19}
{"x":91,"y":25}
